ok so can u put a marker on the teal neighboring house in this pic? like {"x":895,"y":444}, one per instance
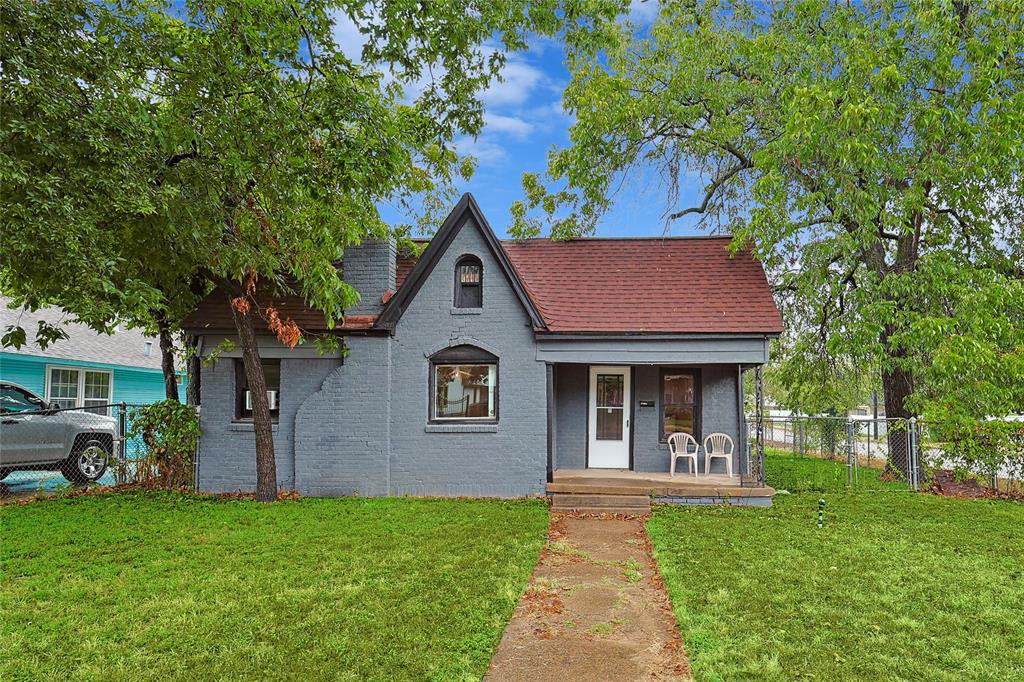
{"x":86,"y":369}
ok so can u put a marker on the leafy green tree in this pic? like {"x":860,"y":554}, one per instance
{"x":873,"y":152}
{"x":230,"y":145}
{"x":801,"y":379}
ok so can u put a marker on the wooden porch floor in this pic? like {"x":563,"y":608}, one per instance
{"x":625,"y":482}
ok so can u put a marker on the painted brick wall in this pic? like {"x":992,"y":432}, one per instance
{"x":341,"y":430}
{"x":719,"y":411}
{"x":227,"y":450}
{"x":571,"y":408}
{"x":512,"y":459}
{"x":370,"y":269}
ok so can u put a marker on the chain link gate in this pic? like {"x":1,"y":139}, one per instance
{"x":835,"y":453}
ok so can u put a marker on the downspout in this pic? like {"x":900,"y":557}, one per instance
{"x":198,"y":350}
{"x":387,"y":411}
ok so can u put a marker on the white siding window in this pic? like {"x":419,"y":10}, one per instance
{"x":72,"y":387}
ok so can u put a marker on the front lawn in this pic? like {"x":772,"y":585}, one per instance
{"x":175,"y":587}
{"x":896,"y":586}
{"x":785,"y":470}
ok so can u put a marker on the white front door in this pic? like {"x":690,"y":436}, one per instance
{"x":608,"y":431}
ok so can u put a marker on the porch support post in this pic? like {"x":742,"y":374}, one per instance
{"x":758,"y":462}
{"x":552,"y":423}
{"x":741,"y":428}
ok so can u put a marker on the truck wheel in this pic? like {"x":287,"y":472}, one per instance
{"x":86,"y":465}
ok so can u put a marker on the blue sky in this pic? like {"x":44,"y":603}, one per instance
{"x":523,"y":120}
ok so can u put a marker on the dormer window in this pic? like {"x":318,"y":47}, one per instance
{"x":469,"y":282}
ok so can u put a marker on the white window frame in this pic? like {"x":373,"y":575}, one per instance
{"x":80,"y":397}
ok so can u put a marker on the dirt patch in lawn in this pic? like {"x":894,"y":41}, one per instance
{"x":596,"y":609}
{"x":947,"y":483}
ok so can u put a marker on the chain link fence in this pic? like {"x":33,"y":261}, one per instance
{"x":820,"y":454}
{"x":52,"y":449}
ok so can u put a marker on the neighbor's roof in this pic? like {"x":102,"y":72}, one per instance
{"x":125,"y":347}
{"x":672,"y":285}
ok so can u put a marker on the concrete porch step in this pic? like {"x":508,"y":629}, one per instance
{"x":601,"y":503}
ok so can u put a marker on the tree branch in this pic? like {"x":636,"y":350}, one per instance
{"x":712,"y":190}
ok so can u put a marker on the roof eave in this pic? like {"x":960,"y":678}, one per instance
{"x":568,"y":334}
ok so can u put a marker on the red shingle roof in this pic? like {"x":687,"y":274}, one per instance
{"x":213,"y":314}
{"x":674,"y":285}
{"x":404,"y":264}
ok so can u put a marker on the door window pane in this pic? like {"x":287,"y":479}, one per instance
{"x":64,"y":387}
{"x":15,"y":400}
{"x":610,"y":414}
{"x":609,"y":423}
{"x":609,"y":390}
{"x":464,"y":391}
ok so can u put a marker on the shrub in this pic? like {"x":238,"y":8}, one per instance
{"x":987,"y":448}
{"x":169,"y":432}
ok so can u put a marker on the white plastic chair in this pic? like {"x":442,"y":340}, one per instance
{"x":679,"y":446}
{"x":718,"y":445}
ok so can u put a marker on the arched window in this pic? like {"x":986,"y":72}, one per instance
{"x":469,"y":283}
{"x":463,"y":385}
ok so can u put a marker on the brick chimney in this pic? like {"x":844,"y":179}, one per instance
{"x":369,"y":268}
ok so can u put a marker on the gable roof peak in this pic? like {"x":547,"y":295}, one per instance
{"x":467,"y":207}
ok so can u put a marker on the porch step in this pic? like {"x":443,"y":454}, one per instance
{"x":601,"y":503}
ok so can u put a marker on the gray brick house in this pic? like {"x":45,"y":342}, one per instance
{"x":483,"y":367}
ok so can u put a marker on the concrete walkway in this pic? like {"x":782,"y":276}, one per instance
{"x":595,"y":609}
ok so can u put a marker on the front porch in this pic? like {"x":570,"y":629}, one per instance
{"x":609,"y":426}
{"x":577,"y":488}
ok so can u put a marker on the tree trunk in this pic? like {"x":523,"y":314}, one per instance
{"x":194,"y":366}
{"x":167,"y":357}
{"x":897,"y":385}
{"x":266,"y":468}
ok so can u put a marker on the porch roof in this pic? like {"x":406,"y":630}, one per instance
{"x":654,"y":349}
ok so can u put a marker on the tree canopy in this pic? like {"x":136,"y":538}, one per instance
{"x":872,"y":152}
{"x":144,"y":136}
{"x":153,"y":150}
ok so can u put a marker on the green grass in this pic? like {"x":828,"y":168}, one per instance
{"x":132,"y":586}
{"x":894,"y":587}
{"x":798,"y":473}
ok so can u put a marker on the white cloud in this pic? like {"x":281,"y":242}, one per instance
{"x":518,"y":81}
{"x":347,"y":36}
{"x":537,"y":44}
{"x":485,"y":149}
{"x":643,"y":11}
{"x":552,"y":113}
{"x":510,"y":125}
